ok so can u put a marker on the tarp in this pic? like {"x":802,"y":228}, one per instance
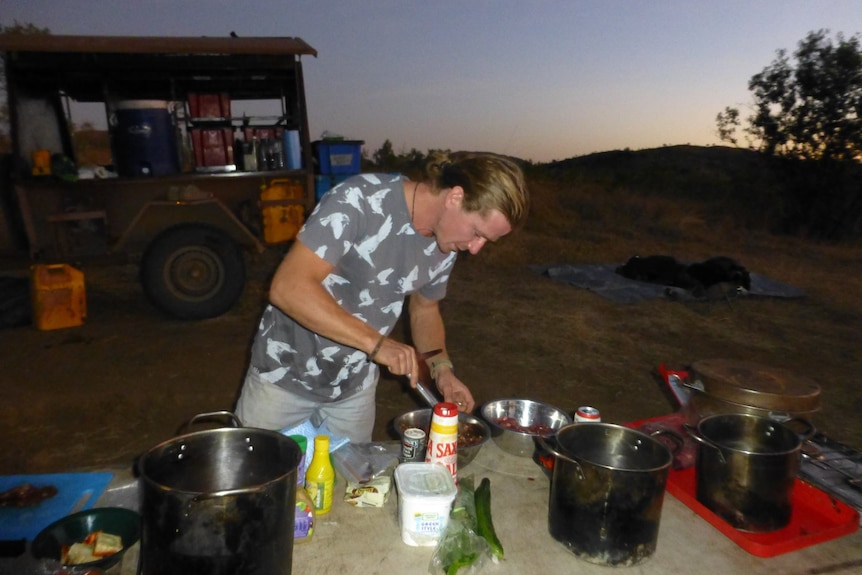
{"x":604,"y":281}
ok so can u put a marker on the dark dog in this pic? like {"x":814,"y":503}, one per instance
{"x":718,"y":270}
{"x":662,"y":270}
{"x":696,"y":278}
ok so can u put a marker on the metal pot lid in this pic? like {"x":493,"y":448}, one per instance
{"x":756,"y":385}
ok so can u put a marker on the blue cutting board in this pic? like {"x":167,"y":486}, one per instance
{"x":75,"y":492}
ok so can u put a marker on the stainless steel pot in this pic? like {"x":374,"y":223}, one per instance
{"x":719,"y":386}
{"x":607,"y":492}
{"x":219,"y":502}
{"x":746,"y":468}
{"x":701,"y":404}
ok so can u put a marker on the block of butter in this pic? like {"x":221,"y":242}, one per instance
{"x":372,"y":493}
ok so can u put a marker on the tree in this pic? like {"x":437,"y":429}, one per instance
{"x":384,"y":157}
{"x":809,"y":108}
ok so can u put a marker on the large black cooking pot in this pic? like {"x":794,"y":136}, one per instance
{"x":219,"y":502}
{"x":607,"y":492}
{"x":746,"y":469}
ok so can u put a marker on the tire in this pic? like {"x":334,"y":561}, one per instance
{"x":193,"y":272}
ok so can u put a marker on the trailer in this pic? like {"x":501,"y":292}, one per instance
{"x":194,"y":183}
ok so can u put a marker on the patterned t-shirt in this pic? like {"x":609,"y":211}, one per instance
{"x":364,"y":229}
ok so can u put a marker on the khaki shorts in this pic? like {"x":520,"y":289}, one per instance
{"x":268,"y":406}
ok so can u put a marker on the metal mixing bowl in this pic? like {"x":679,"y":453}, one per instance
{"x":526,"y":413}
{"x":421,"y":418}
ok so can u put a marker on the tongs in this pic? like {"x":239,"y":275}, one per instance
{"x":430,"y":398}
{"x":813,"y":454}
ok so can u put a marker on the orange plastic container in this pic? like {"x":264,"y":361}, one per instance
{"x":282,"y":209}
{"x":41,"y":163}
{"x":58,"y":296}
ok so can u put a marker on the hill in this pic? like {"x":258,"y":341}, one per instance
{"x":715,"y":177}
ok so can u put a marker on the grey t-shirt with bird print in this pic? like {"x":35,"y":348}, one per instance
{"x":362,"y":227}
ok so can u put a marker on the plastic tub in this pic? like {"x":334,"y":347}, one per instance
{"x":426,"y":492}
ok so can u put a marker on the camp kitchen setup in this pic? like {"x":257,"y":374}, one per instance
{"x":736,"y":480}
{"x":210,"y":157}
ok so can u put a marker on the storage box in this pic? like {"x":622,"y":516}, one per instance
{"x":337,"y":156}
{"x":262,"y":133}
{"x":213,"y":148}
{"x":426,"y":492}
{"x":209,"y":106}
{"x":57,"y":296}
{"x":323,"y":184}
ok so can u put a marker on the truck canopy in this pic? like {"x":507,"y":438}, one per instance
{"x":95,"y":68}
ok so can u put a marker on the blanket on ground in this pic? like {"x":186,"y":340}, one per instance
{"x":604,"y":281}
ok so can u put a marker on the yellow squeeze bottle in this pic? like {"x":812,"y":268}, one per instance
{"x":320,"y":477}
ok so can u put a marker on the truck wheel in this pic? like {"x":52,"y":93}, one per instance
{"x":193,"y":272}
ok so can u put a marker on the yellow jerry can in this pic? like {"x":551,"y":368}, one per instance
{"x":281,"y":206}
{"x":57,"y":295}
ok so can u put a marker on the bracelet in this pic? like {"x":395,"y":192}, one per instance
{"x":376,"y":348}
{"x":435,"y":365}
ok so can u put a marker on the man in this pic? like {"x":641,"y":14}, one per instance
{"x":371,"y":242}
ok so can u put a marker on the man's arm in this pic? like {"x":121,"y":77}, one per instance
{"x":297,"y":290}
{"x":426,"y":327}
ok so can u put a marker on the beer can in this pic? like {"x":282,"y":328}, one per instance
{"x":413,"y":445}
{"x":585,"y":413}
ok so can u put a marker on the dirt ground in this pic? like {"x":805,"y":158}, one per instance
{"x":103,"y":393}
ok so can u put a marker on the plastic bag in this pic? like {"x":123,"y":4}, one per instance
{"x":460,"y":550}
{"x":362,"y":462}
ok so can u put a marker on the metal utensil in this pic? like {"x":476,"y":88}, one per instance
{"x":427,"y":395}
{"x":813,"y":454}
{"x":429,"y":354}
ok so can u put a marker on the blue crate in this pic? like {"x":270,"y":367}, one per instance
{"x":323,"y":184}
{"x":338,"y":156}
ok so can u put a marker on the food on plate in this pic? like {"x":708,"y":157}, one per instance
{"x":535,"y":429}
{"x":77,"y":554}
{"x":95,"y":546}
{"x":26,"y":495}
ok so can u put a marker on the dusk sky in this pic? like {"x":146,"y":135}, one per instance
{"x":536,"y":79}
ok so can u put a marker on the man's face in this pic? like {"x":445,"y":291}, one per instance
{"x":459,"y":230}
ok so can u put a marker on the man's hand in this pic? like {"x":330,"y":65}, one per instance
{"x":454,"y":390}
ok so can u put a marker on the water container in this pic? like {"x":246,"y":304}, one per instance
{"x":282,"y":208}
{"x":292,"y":151}
{"x":58,"y":296}
{"x":144,"y":139}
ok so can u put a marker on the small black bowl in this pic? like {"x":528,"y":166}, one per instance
{"x":74,"y":528}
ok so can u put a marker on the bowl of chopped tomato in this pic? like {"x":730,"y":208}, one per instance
{"x":95,"y":538}
{"x":515,"y":423}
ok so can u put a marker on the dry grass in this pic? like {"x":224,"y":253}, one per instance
{"x":133,"y":376}
{"x":536,"y":338}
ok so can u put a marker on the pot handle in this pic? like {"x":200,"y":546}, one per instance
{"x":550,"y":444}
{"x":675,"y":437}
{"x":808,"y":431}
{"x":692,"y":431}
{"x":234,"y":420}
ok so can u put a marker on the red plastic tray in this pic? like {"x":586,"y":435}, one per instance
{"x":816,"y":516}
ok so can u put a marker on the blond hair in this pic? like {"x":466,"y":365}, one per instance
{"x":490,"y":182}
